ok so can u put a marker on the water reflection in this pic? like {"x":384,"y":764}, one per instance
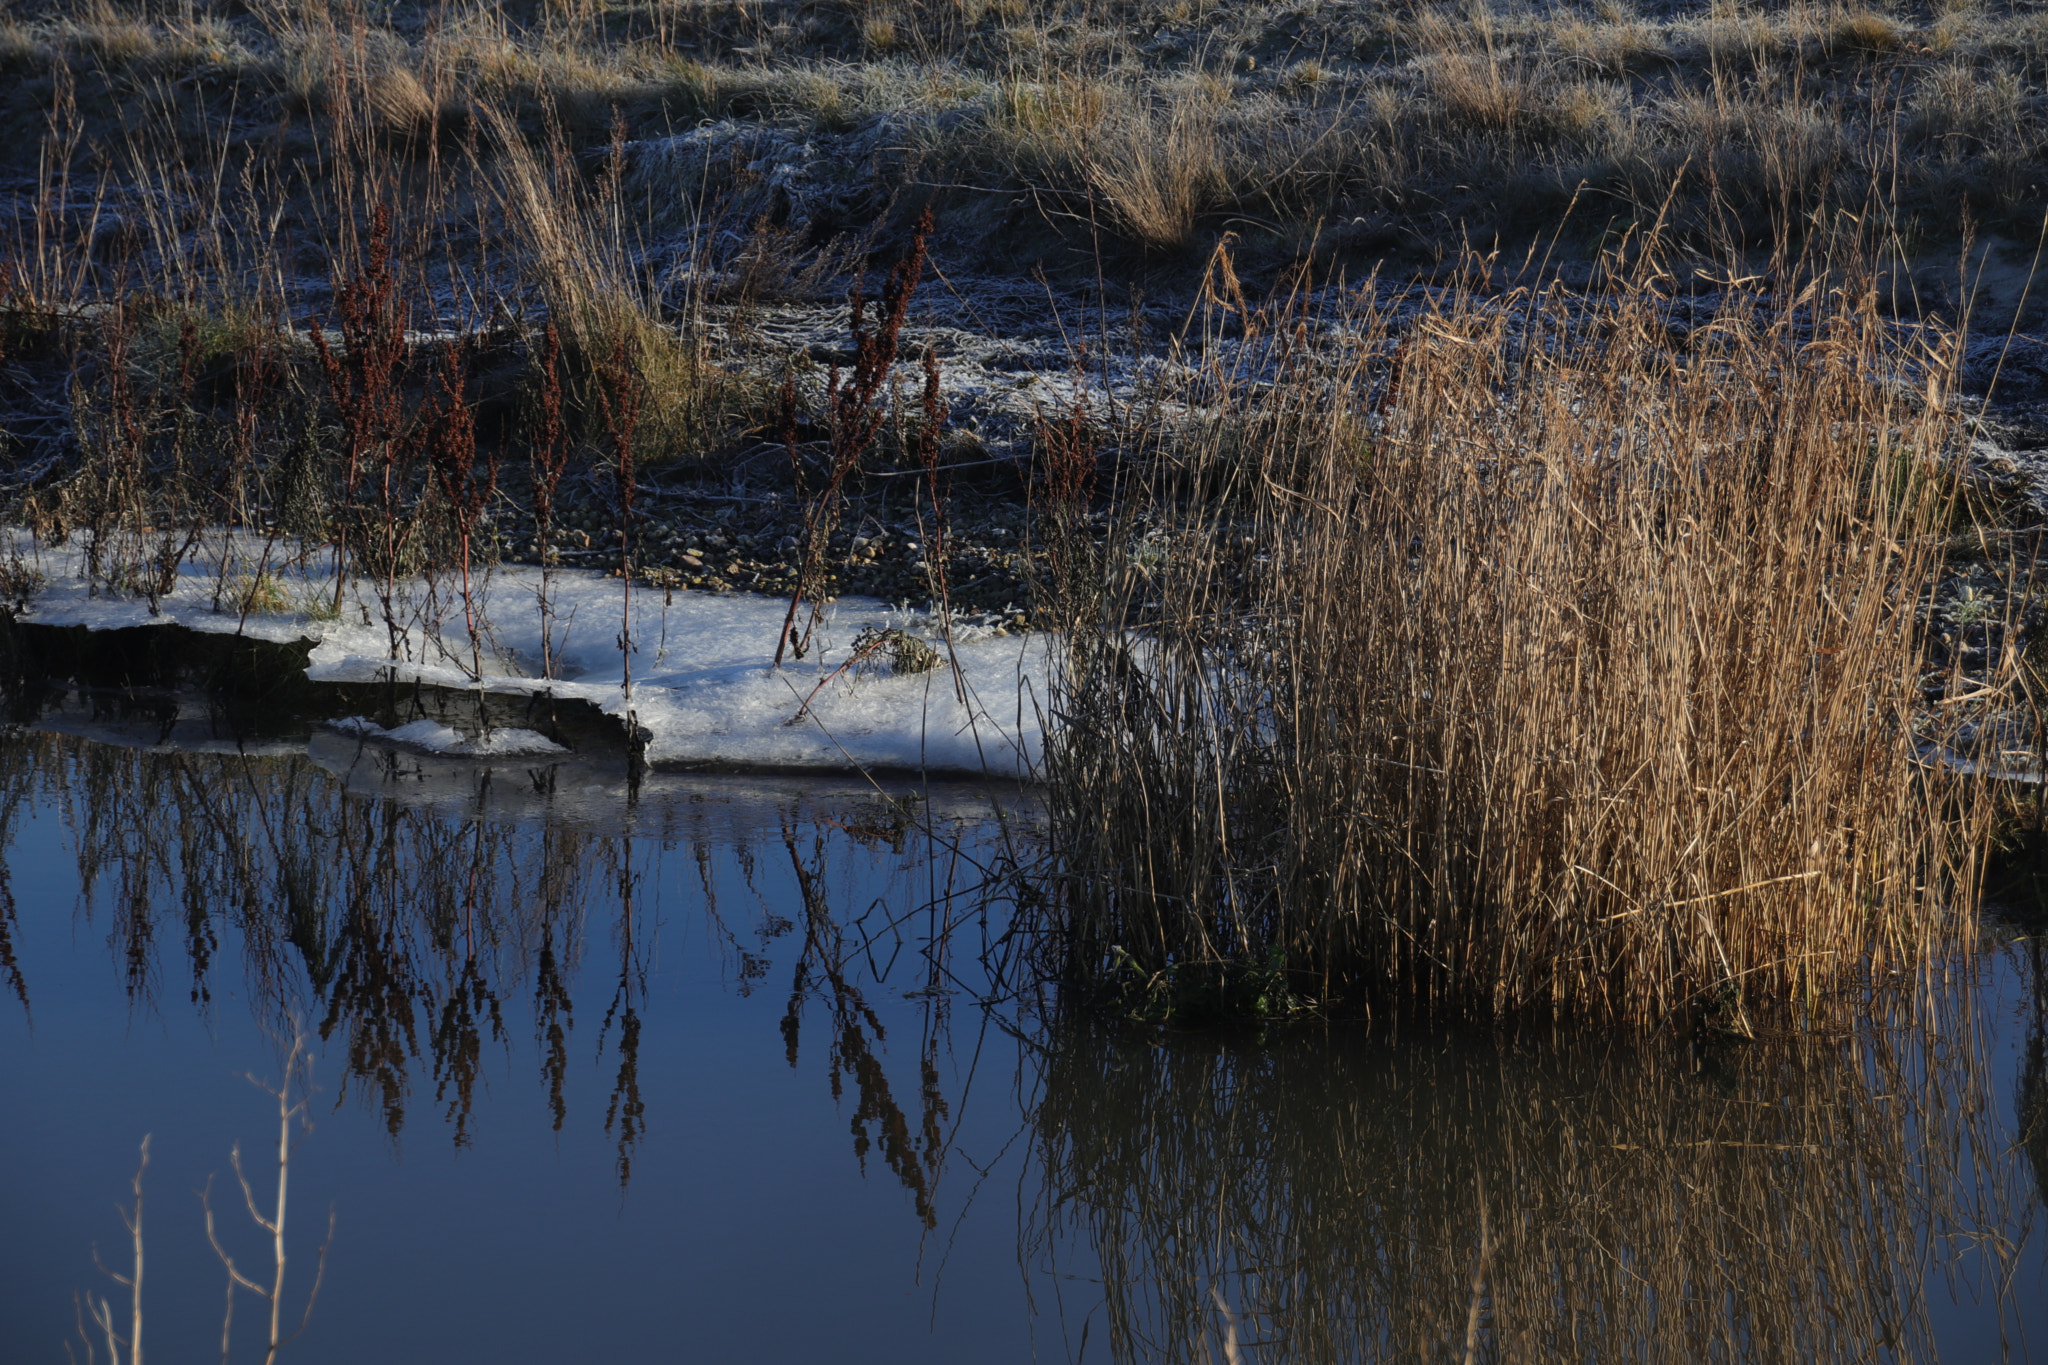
{"x":2030,"y":1100}
{"x":1310,"y":1194}
{"x":1328,"y":1198}
{"x":403,"y":905}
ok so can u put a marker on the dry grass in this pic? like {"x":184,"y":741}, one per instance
{"x":1551,"y":667}
{"x":1503,"y":111}
{"x":577,"y":242}
{"x":1613,"y":47}
{"x":1154,"y":162}
{"x":1869,"y":32}
{"x":1157,"y":170}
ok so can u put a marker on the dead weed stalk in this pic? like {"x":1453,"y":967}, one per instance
{"x":856,"y":415}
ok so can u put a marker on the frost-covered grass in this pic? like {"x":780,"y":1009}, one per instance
{"x":1156,"y":120}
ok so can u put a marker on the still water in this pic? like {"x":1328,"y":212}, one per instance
{"x":728,"y":1068}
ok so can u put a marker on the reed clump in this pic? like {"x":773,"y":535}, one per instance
{"x":1541,"y":656}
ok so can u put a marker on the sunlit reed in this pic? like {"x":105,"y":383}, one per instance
{"x":1534,"y":655}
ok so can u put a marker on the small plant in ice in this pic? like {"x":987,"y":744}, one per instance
{"x":874,"y":649}
{"x":1150,"y":554}
{"x":262,"y":594}
{"x":270,"y":593}
{"x":899,"y":650}
{"x":317,"y":606}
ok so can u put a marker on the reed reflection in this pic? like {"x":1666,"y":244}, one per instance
{"x":419,"y":934}
{"x":2030,"y":1103}
{"x":1323,"y":1197}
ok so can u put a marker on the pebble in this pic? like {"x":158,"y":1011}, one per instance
{"x":712,"y":552}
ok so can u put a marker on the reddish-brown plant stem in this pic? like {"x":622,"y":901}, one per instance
{"x":453,"y":455}
{"x":365,"y":381}
{"x":1066,"y":473}
{"x":856,"y":419}
{"x":547,"y":455}
{"x":255,"y":378}
{"x":936,"y":550}
{"x":620,"y":395}
{"x":122,"y":439}
{"x":172,"y":548}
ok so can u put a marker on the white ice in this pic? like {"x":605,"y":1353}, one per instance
{"x":703,"y":681}
{"x":430,"y":736}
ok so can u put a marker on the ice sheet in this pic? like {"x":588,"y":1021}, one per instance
{"x":704,"y":687}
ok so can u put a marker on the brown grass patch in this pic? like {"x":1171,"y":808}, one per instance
{"x":1545,"y":670}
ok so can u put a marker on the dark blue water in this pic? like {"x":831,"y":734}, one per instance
{"x":727,"y":1070}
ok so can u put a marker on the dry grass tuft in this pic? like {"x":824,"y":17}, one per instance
{"x":1549,"y":668}
{"x":1033,"y":120}
{"x":368,"y":80}
{"x":1476,"y":89}
{"x":398,"y":103}
{"x":1959,"y":113}
{"x":1157,"y":170}
{"x":1585,"y":110}
{"x":1869,"y":31}
{"x":1153,"y":160}
{"x":878,"y":33}
{"x":1731,"y":33}
{"x":1610,"y":47}
{"x":578,"y":245}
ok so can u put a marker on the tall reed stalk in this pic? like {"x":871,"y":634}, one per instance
{"x":365,"y":378}
{"x":1566,"y":666}
{"x":468,"y":490}
{"x":620,"y":395}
